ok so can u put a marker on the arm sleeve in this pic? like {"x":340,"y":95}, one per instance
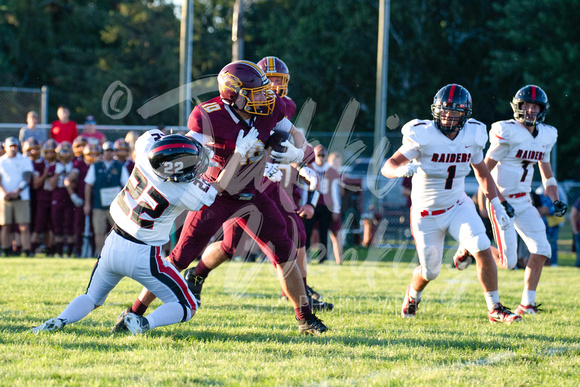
{"x":335,"y":192}
{"x":284,"y":125}
{"x":91,"y":176}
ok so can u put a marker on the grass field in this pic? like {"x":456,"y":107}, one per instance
{"x":244,"y":335}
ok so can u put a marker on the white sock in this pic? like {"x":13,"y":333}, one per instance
{"x":491,"y":299}
{"x":78,"y":309}
{"x":414,"y":294}
{"x":528,"y":297}
{"x":167,"y":314}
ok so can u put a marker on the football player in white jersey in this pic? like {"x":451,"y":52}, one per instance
{"x":439,"y":154}
{"x":516,"y":146}
{"x":164,"y":183}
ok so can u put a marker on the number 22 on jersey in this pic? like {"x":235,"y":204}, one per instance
{"x":137,"y":192}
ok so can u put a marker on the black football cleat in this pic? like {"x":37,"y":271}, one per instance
{"x":194,"y":283}
{"x":311,"y":326}
{"x":312,"y":293}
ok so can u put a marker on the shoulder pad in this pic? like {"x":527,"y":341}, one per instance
{"x":418,"y":131}
{"x":552,"y":131}
{"x":480,"y":132}
{"x":500,"y":131}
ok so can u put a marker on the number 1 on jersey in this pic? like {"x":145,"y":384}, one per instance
{"x":450,"y":176}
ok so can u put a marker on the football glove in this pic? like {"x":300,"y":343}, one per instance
{"x":508,"y":209}
{"x":560,"y":208}
{"x":406,"y":170}
{"x":76,"y":199}
{"x":245,"y":143}
{"x":292,"y":154}
{"x":310,"y":176}
{"x":500,"y":214}
{"x":273,"y":173}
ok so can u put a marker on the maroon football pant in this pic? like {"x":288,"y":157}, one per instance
{"x":233,"y":232}
{"x":260,"y":215}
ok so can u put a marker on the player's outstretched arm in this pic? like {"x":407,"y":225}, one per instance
{"x":398,"y":166}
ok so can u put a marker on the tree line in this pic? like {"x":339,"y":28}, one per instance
{"x":80,"y":48}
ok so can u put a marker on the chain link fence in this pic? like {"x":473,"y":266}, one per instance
{"x":16,"y":102}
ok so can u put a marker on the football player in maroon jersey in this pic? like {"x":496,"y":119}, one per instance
{"x":246,"y":101}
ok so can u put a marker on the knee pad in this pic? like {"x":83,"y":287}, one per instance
{"x":430,"y":273}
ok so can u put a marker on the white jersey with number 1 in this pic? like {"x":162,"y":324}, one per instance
{"x":148,"y":205}
{"x":443,"y":163}
{"x":516,"y":151}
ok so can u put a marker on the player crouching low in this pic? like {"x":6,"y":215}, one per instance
{"x":443,"y":151}
{"x":164,"y":183}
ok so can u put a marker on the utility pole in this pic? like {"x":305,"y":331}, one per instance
{"x":382,"y":71}
{"x":238,"y":31}
{"x":185,"y":59}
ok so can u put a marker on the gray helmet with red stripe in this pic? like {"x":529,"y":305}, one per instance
{"x":452,"y":97}
{"x":530,"y":94}
{"x":178,"y":158}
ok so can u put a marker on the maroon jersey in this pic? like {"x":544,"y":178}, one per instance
{"x":82,"y":169}
{"x":60,"y":194}
{"x":44,"y":193}
{"x":290,"y":107}
{"x":214,"y":119}
{"x":129,"y":164}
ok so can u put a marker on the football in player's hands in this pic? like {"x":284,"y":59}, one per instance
{"x":277,"y":137}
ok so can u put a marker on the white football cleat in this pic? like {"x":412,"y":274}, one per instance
{"x":136,"y":324}
{"x":52,"y":324}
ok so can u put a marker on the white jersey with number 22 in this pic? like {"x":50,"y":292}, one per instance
{"x":148,"y":205}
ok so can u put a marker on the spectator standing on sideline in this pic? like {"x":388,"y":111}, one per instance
{"x":31,"y":149}
{"x":328,"y":208}
{"x":335,"y":161}
{"x":31,"y":130}
{"x":63,"y":129}
{"x":90,"y":132}
{"x":123,"y":154}
{"x":62,"y":213}
{"x":552,"y":222}
{"x":104,"y":181}
{"x":15,"y":177}
{"x":75,"y":185}
{"x":575,"y":222}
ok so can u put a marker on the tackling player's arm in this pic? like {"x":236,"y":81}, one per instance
{"x":243,"y":146}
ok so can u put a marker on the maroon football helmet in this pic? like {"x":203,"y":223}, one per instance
{"x":49,"y":150}
{"x":78,"y":146}
{"x":31,"y":148}
{"x":64,"y":152}
{"x":274,"y":67}
{"x":244,"y":85}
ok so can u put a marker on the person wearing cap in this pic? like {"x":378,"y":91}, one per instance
{"x":103,"y":182}
{"x":15,"y":176}
{"x":63,"y":129}
{"x":30,"y":130}
{"x":328,"y":208}
{"x":91,"y":134}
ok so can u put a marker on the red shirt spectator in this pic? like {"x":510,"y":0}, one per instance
{"x":63,"y":129}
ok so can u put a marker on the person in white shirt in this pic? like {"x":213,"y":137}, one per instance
{"x":439,"y":154}
{"x":15,"y":177}
{"x":164,"y":183}
{"x":516,"y":146}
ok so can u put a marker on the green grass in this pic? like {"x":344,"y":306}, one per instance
{"x":244,"y":335}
